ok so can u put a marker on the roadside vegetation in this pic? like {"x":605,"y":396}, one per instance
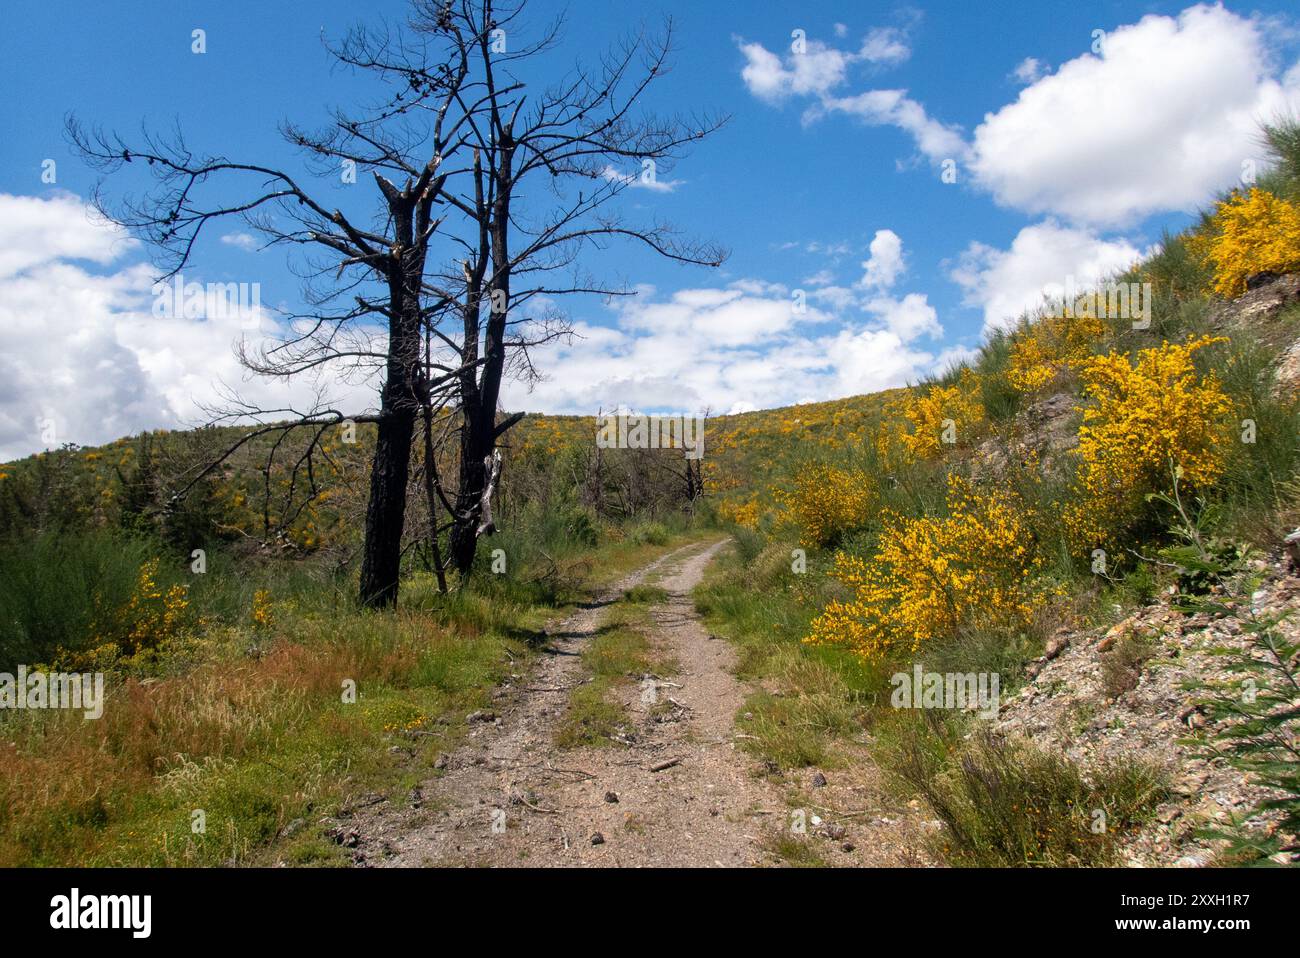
{"x":248,"y":699}
{"x":969,"y":518}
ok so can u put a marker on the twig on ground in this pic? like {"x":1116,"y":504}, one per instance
{"x":541,"y":811}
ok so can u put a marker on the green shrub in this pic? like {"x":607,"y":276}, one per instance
{"x":1010,"y":803}
{"x":1001,"y":400}
{"x":53,"y":587}
{"x":649,"y":534}
{"x":1282,"y":139}
{"x":748,"y":544}
{"x":1265,"y":454}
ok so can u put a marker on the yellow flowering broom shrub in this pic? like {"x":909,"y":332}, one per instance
{"x":745,"y":514}
{"x":827,"y":501}
{"x":263,"y":617}
{"x":1147,"y":418}
{"x":1250,"y":233}
{"x":152,"y":621}
{"x":932,"y":577}
{"x":152,"y":616}
{"x":943,"y":415}
{"x":1047,"y":347}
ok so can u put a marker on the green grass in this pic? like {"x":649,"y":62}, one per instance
{"x":249,"y":725}
{"x":592,"y":718}
{"x":795,"y":851}
{"x":1001,"y":401}
{"x":645,"y":594}
{"x":618,"y":655}
{"x":1008,"y":803}
{"x":254,"y":743}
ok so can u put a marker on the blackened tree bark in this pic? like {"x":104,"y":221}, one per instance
{"x":400,"y":403}
{"x":578,"y":145}
{"x":368,"y":306}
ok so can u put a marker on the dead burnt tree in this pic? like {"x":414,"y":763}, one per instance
{"x":549,"y":164}
{"x":686,"y":468}
{"x":365,"y":284}
{"x":436,"y":286}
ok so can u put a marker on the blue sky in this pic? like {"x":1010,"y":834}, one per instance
{"x":1071,"y":154}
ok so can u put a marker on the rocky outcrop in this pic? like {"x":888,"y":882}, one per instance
{"x":1266,"y":298}
{"x":1287,"y":377}
{"x":1043,"y":432}
{"x":1260,"y":310}
{"x":1081,"y":702}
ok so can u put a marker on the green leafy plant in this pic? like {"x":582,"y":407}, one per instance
{"x":1254,"y":710}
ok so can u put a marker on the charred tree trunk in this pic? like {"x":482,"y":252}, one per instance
{"x":476,"y":446}
{"x":694,"y":482}
{"x":386,"y":512}
{"x":480,"y":430}
{"x":400,"y":402}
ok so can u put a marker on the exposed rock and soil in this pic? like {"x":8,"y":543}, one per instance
{"x":1091,"y":703}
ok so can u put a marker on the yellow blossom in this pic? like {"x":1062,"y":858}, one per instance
{"x":932,"y":577}
{"x":1250,"y":233}
{"x":942,"y":415}
{"x":827,"y":501}
{"x":1147,"y":417}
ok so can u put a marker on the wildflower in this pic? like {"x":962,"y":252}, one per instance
{"x":151,"y":617}
{"x":1147,"y":417}
{"x":932,"y":577}
{"x":262,"y":609}
{"x":1249,"y":234}
{"x":1049,"y":346}
{"x":943,"y":415}
{"x":827,"y":501}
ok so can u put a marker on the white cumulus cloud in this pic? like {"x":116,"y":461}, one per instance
{"x":811,"y":67}
{"x":82,"y":357}
{"x":1040,"y":262}
{"x":733,"y":348}
{"x":885,"y":263}
{"x":1159,"y":120}
{"x":936,"y":140}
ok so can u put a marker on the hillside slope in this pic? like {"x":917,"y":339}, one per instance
{"x":1123,"y":642}
{"x":1095,"y":701}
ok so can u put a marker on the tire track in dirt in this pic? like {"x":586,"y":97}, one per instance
{"x":708,"y":809}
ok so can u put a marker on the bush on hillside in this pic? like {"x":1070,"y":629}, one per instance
{"x":1044,"y":349}
{"x":1249,"y":234}
{"x":935,"y":577}
{"x":950,"y":414}
{"x":827,"y":502}
{"x":1148,"y":418}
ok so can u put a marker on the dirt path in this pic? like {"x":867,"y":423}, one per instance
{"x":510,"y":796}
